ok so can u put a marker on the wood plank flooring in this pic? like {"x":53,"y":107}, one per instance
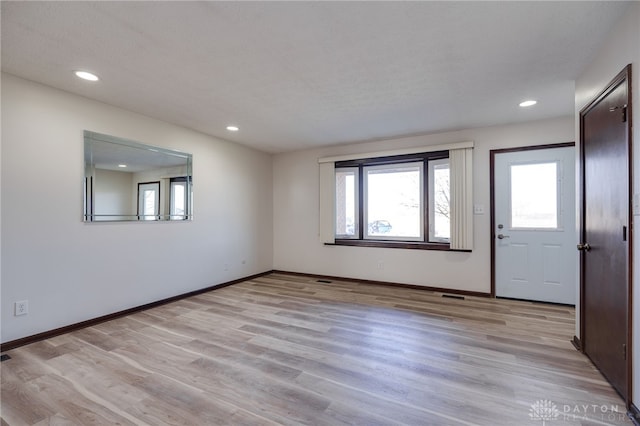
{"x":286,"y":349}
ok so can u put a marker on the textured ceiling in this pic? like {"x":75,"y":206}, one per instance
{"x":294,"y":75}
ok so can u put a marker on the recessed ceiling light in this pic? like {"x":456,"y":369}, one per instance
{"x":122,"y":165}
{"x":86,"y":76}
{"x":528,"y":103}
{"x":233,"y":128}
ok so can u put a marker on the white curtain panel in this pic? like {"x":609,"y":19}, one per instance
{"x":461,"y":198}
{"x":327,"y":202}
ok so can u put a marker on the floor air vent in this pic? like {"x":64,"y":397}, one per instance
{"x":324,"y":281}
{"x":453,"y":296}
{"x":4,"y":357}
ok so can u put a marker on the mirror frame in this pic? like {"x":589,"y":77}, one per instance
{"x":89,"y":206}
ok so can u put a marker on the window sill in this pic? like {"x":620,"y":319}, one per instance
{"x":412,"y":245}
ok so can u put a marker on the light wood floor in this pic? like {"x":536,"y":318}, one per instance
{"x":284,"y":349}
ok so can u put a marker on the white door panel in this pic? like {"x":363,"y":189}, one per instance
{"x":534,"y":207}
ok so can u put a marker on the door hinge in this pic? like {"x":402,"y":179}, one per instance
{"x":624,"y":351}
{"x":624,"y":233}
{"x":623,"y":109}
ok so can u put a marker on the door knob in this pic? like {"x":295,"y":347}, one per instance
{"x":584,"y":247}
{"x":502,"y":237}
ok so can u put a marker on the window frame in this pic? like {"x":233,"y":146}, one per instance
{"x":424,"y":243}
{"x":365,"y":201}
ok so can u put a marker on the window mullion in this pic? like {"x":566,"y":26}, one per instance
{"x":425,"y":203}
{"x":361,"y":202}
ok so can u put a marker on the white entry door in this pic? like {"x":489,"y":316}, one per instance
{"x":148,"y":201}
{"x":534,"y":235}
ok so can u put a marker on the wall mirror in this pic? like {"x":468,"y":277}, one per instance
{"x":130,"y":181}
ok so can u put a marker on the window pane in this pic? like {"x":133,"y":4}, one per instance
{"x":149,"y":207}
{"x":394,"y":201}
{"x":440,"y":229}
{"x":347,"y":203}
{"x":178,"y":200}
{"x":534,"y":195}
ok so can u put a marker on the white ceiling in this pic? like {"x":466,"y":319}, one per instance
{"x":294,"y":75}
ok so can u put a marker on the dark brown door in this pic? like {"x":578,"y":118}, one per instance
{"x":605,"y":150}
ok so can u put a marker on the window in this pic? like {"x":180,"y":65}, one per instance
{"x":347,"y":203}
{"x":440,"y":214}
{"x":393,"y":199}
{"x":178,"y":198}
{"x":534,"y":195}
{"x":357,"y":191}
{"x":393,"y":202}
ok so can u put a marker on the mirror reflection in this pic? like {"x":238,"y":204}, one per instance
{"x":130,"y":181}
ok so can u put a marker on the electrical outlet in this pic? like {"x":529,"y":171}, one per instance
{"x":226,"y":266}
{"x":21,"y":307}
{"x":380,"y":265}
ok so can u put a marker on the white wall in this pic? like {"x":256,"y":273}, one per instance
{"x":297,"y":247}
{"x":112,"y":193}
{"x":72,"y":271}
{"x":622,"y":47}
